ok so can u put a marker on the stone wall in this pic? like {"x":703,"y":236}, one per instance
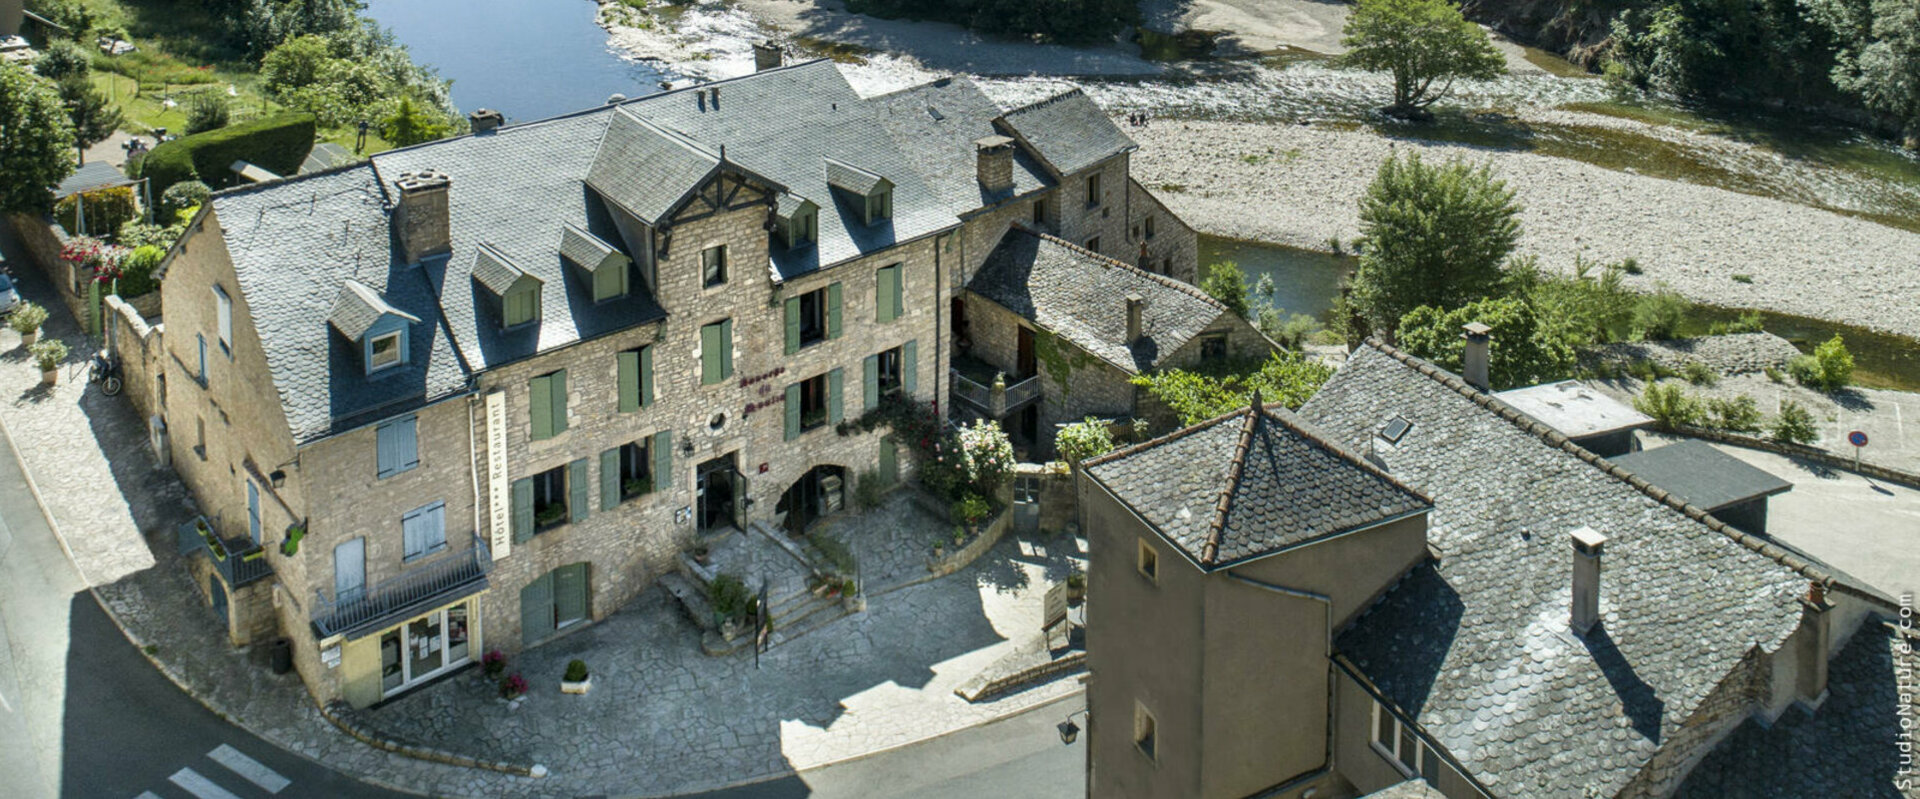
{"x":1682,"y":746}
{"x":1173,"y":249}
{"x":141,"y":350}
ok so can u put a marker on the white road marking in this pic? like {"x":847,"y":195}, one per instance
{"x":4,"y":703}
{"x":255,"y":771}
{"x":197,"y":785}
{"x":147,"y":795}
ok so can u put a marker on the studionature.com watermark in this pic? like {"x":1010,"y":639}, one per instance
{"x":1906,"y":683}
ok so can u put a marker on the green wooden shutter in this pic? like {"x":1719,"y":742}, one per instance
{"x":560,"y":402}
{"x":884,"y":309}
{"x":710,"y":355}
{"x":835,"y":379}
{"x":579,"y":485}
{"x":909,"y":367}
{"x":540,"y":406}
{"x":870,"y":383}
{"x":889,"y":460}
{"x":536,"y":609}
{"x":726,"y":348}
{"x":793,"y":411}
{"x":522,"y":509}
{"x":663,"y":460}
{"x":899,"y":289}
{"x":793,"y":325}
{"x":629,"y":374}
{"x":646,"y":376}
{"x":610,"y":479}
{"x":833,"y":311}
{"x":570,"y":592}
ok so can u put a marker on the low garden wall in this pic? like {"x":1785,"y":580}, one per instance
{"x":964,"y":556}
{"x":139,"y":347}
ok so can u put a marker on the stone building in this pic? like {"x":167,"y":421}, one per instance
{"x":476,"y":393}
{"x":1410,"y":588}
{"x":1055,"y":333}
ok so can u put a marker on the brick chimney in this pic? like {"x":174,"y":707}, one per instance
{"x":1587,"y":546}
{"x":485,"y":120}
{"x":994,"y":161}
{"x":1474,"y":362}
{"x":1136,"y":306}
{"x":420,"y":222}
{"x":766,"y":55}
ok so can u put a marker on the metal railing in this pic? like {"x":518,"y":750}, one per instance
{"x":238,"y":561}
{"x":1023,"y":393}
{"x":973,"y":393}
{"x":996,"y":400}
{"x":419,"y":587}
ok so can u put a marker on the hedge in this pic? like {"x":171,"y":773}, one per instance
{"x":277,"y":143}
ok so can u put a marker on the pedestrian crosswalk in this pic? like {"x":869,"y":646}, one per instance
{"x":235,"y":769}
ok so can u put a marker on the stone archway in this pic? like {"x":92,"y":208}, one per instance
{"x":821,"y":492}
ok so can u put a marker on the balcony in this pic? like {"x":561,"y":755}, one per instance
{"x":986,"y":390}
{"x":238,"y":561}
{"x":403,"y":596}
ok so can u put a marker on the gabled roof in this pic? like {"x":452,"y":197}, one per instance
{"x":356,"y":308}
{"x":1475,"y":646}
{"x":647,"y":169}
{"x":1081,"y":296}
{"x":788,"y":204}
{"x":584,"y":249}
{"x":496,"y":272}
{"x":1069,"y":131}
{"x":1701,"y":474}
{"x":847,"y":177}
{"x":936,"y":125}
{"x":1249,"y":484}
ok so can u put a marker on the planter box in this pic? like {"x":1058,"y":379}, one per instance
{"x":957,"y":559}
{"x":581,"y":687}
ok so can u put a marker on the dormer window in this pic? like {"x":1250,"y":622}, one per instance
{"x":867,"y":191}
{"x":516,"y":293}
{"x":799,"y":221}
{"x":606,"y":269}
{"x":376,"y":328}
{"x":879,"y":206}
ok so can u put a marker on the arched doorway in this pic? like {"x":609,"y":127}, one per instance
{"x":818,"y":493}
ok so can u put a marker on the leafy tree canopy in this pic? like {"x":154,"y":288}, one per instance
{"x":1523,"y":352}
{"x":1421,"y":42}
{"x":1431,"y":235}
{"x":36,"y":141}
{"x":1288,"y":378}
{"x":1227,"y":283}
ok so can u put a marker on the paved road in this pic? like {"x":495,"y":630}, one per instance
{"x":82,"y":714}
{"x":1018,"y":756}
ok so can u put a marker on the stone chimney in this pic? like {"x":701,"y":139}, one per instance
{"x":1136,"y":306}
{"x":486,"y":120}
{"x":420,"y":222}
{"x":1474,"y":362}
{"x":1587,"y":545}
{"x":1816,"y":628}
{"x":994,"y":161}
{"x":766,"y":55}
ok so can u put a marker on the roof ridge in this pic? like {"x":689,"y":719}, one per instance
{"x":1236,"y":468}
{"x":1308,"y":430}
{"x":1555,"y":438}
{"x":1044,"y":101}
{"x":1151,"y":443}
{"x":1178,"y":285}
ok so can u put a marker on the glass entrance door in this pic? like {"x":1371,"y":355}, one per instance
{"x":425,"y":647}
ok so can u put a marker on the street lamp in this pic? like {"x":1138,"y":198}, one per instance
{"x":1069,"y":731}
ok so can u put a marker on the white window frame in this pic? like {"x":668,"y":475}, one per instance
{"x":1397,"y":733}
{"x":373,"y":352}
{"x":223,"y":308}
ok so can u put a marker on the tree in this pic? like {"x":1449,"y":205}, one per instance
{"x":1668,"y":405}
{"x":410,"y":124}
{"x":94,"y":117}
{"x":62,"y":58}
{"x":1288,"y":378}
{"x":1431,"y":235}
{"x":1879,"y":55}
{"x":295,"y":64}
{"x":1420,"y":42}
{"x":36,"y":140}
{"x":1523,"y":352}
{"x":207,"y":111}
{"x":1087,"y":438}
{"x":1228,"y":284}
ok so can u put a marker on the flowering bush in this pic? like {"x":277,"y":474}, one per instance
{"x":513,"y":687}
{"x":1087,"y":438}
{"x":89,"y":252}
{"x":494,"y":662}
{"x":985,"y":455}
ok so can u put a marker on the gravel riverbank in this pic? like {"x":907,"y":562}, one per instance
{"x":1300,"y":185}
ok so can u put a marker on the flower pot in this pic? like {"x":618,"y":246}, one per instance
{"x":50,"y":376}
{"x":27,"y":339}
{"x":581,"y":687}
{"x":855,"y":602}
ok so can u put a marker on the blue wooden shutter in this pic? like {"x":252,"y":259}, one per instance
{"x":610,"y":479}
{"x":350,"y":570}
{"x":579,"y":485}
{"x":909,"y":367}
{"x":646,"y":376}
{"x":835,"y":379}
{"x":663,"y":460}
{"x":628,"y":374}
{"x":793,"y":325}
{"x":870,"y":383}
{"x":833,"y":311}
{"x":559,"y":385}
{"x":522,"y":509}
{"x":409,"y":443}
{"x":793,"y":411}
{"x":253,"y":511}
{"x":412,"y":535}
{"x":540,"y":407}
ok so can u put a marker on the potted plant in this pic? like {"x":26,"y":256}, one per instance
{"x":26,"y":321}
{"x":577,"y":680}
{"x":493,"y":664}
{"x":550,"y":515}
{"x":1076,"y":586}
{"x":513,"y":687}
{"x":702,"y":555}
{"x":637,"y":486}
{"x":295,"y":532}
{"x":48,"y":355}
{"x":850,"y":595}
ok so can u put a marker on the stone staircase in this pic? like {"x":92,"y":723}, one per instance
{"x":793,"y":609}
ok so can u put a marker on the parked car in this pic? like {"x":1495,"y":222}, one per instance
{"x":9,"y":296}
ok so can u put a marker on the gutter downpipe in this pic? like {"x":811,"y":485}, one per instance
{"x":1327,"y":602}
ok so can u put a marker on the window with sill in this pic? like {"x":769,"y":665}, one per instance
{"x":716,"y":352}
{"x":713,"y":266}
{"x":813,"y":403}
{"x":1039,"y":212}
{"x":627,"y":472}
{"x":1395,"y":741}
{"x":224,"y":308}
{"x":549,"y":499}
{"x":1093,"y":191}
{"x":634,"y":373}
{"x":383,"y":351}
{"x":424,"y":530}
{"x":889,"y":292}
{"x":547,"y":405}
{"x":520,"y":306}
{"x":879,"y":205}
{"x":1149,"y":224}
{"x":813,"y":317}
{"x":889,"y":372}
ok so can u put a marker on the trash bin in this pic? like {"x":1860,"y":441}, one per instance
{"x":282,"y":656}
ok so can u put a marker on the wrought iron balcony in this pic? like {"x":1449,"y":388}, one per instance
{"x":238,"y":561}
{"x":997,"y":399}
{"x":421,"y":588}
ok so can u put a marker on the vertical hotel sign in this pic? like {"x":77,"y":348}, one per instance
{"x":499,"y":508}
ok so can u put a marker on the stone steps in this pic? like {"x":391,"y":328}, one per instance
{"x":692,"y":596}
{"x":829,"y":613}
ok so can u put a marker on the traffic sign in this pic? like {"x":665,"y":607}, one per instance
{"x":1857,"y":438}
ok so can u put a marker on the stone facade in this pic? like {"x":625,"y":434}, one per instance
{"x":1168,"y":246}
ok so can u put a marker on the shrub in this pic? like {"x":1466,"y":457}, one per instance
{"x":60,"y":59}
{"x":1227,"y":282}
{"x":971,"y":509}
{"x":986,"y":456}
{"x":1669,"y":405}
{"x":49,"y":353}
{"x":1774,"y":374}
{"x":576,"y":670}
{"x":1087,"y":438}
{"x":729,"y":596}
{"x":277,"y":143}
{"x":1829,"y":368}
{"x":1288,"y":378}
{"x":136,"y":271}
{"x":1521,"y":355}
{"x":207,"y":110}
{"x":27,"y":318}
{"x":1700,"y":374}
{"x":1649,"y":370}
{"x":1657,"y":316}
{"x":1287,"y":330}
{"x":1794,"y":425}
{"x":1738,"y":415}
{"x":183,"y":196}
{"x":867,"y":490}
{"x":1749,"y":322}
{"x":135,"y":234}
{"x":836,"y":553}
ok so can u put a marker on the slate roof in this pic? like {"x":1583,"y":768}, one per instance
{"x":293,"y":245}
{"x":356,"y":308}
{"x":1081,"y":296}
{"x":1411,"y":789}
{"x":1475,"y":646}
{"x":646,"y":169}
{"x":1849,"y":747}
{"x":1701,"y":474}
{"x":495,"y":271}
{"x":1249,"y":484}
{"x":936,"y":124}
{"x":847,"y":177}
{"x":1069,"y":130}
{"x":584,"y":249}
{"x":90,"y":176}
